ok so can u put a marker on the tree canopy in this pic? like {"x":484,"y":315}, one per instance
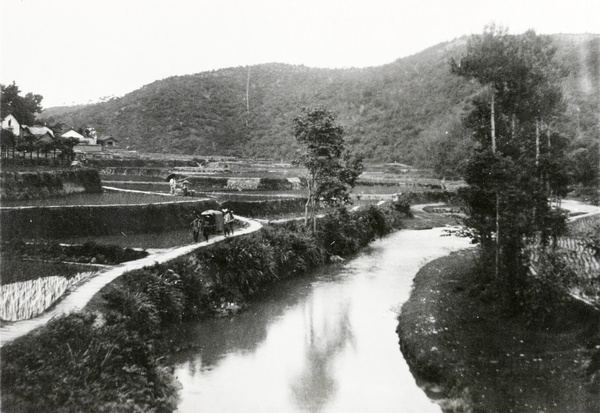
{"x":332,"y":170}
{"x":23,"y":108}
{"x":518,"y":164}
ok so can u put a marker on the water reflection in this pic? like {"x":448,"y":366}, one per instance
{"x":326,"y":343}
{"x":325,"y":337}
{"x":213,"y":339}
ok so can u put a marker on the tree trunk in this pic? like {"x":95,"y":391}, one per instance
{"x":493,"y":127}
{"x":537,"y":143}
{"x":248,"y":97}
{"x":493,"y":122}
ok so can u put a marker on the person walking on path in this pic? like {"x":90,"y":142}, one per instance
{"x":228,"y":220}
{"x":173,"y":184}
{"x":197,"y":227}
{"x":206,"y":227}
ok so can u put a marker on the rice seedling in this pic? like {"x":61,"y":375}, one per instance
{"x":27,"y":299}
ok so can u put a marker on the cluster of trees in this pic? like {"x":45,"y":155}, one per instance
{"x":24,"y":109}
{"x":518,"y":164}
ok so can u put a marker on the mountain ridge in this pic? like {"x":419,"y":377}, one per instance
{"x":389,"y":112}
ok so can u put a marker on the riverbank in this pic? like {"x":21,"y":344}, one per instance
{"x":114,"y":359}
{"x":471,"y":355}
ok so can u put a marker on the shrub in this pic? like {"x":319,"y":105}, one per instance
{"x":72,"y":365}
{"x":543,"y":292}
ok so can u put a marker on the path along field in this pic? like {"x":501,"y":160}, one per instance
{"x":83,"y":292}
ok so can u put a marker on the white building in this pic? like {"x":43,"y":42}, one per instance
{"x":11,"y":123}
{"x":82,"y":139}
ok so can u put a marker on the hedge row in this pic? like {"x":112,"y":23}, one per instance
{"x":43,"y":184}
{"x":77,"y":364}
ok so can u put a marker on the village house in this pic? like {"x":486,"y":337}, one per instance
{"x":42,"y":133}
{"x":12,"y":124}
{"x":73,"y":134}
{"x":108,"y":141}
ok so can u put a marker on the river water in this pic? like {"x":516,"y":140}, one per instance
{"x":325,"y":343}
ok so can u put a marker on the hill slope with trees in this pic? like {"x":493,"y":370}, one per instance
{"x":405,"y":111}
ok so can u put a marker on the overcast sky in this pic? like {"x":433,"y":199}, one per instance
{"x":74,"y":51}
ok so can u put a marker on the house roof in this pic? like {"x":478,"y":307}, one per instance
{"x":72,"y":134}
{"x":10,"y":115}
{"x":38,"y":130}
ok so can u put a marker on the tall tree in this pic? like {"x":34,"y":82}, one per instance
{"x":332,"y":171}
{"x":23,"y":108}
{"x":509,"y":176}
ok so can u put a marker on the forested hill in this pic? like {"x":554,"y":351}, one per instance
{"x":393,"y":112}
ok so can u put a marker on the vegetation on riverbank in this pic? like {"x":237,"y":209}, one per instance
{"x":476,"y":352}
{"x":112,"y":362}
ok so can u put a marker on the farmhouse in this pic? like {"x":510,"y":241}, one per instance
{"x":108,"y":141}
{"x":73,"y":134}
{"x":42,"y":133}
{"x":12,"y":124}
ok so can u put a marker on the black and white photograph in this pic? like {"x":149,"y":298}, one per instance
{"x":300,"y":206}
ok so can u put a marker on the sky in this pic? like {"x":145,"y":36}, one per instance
{"x":78,"y":51}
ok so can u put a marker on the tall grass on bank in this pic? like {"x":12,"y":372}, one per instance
{"x":76,"y":364}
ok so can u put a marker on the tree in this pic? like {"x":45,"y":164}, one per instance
{"x":66,"y":145}
{"x":513,"y":171}
{"x":8,"y":140}
{"x":332,"y":171}
{"x":23,"y":108}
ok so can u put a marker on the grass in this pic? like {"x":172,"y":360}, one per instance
{"x":458,"y":337}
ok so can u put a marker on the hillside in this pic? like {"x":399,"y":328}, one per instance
{"x":394,"y":112}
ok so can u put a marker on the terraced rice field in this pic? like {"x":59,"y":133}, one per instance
{"x":26,"y":299}
{"x":574,"y":251}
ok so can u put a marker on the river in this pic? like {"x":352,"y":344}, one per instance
{"x":324,"y":343}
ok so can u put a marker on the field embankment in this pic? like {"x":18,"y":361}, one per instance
{"x":59,"y":222}
{"x":473,"y":355}
{"x":15,"y":185}
{"x":72,"y":221}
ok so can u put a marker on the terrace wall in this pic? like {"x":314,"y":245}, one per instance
{"x":265,"y":207}
{"x":95,"y":220}
{"x":15,"y":185}
{"x":74,"y":221}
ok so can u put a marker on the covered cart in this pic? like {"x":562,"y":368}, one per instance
{"x":213,"y":221}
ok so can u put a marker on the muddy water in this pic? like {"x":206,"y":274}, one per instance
{"x":323,"y":344}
